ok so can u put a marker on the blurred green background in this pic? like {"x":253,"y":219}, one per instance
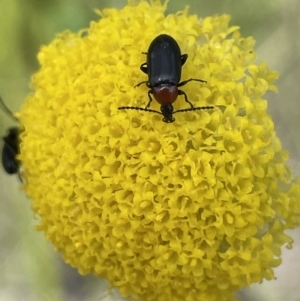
{"x":30,"y":269}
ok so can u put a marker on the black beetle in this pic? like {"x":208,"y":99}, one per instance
{"x":163,"y":66}
{"x":10,"y":151}
{"x":11,"y":147}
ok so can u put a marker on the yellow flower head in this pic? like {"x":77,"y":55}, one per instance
{"x":191,"y":210}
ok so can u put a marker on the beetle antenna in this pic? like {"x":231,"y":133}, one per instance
{"x":195,"y":109}
{"x":7,"y":110}
{"x":139,"y":109}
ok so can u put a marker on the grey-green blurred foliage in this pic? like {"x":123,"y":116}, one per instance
{"x":30,"y":268}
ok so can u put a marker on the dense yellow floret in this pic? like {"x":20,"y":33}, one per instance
{"x":192,"y":210}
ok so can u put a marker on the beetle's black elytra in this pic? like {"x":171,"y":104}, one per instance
{"x":163,"y":67}
{"x":10,"y":151}
{"x":10,"y":148}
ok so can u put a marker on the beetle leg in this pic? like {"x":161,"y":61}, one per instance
{"x":19,"y":175}
{"x":180,"y":92}
{"x":150,"y":99}
{"x":144,"y":68}
{"x":183,"y":59}
{"x":144,"y":82}
{"x":191,"y":79}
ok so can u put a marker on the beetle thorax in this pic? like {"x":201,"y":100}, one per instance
{"x":165,"y":94}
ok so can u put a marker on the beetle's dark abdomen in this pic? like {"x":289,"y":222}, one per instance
{"x":10,"y":151}
{"x":164,"y":61}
